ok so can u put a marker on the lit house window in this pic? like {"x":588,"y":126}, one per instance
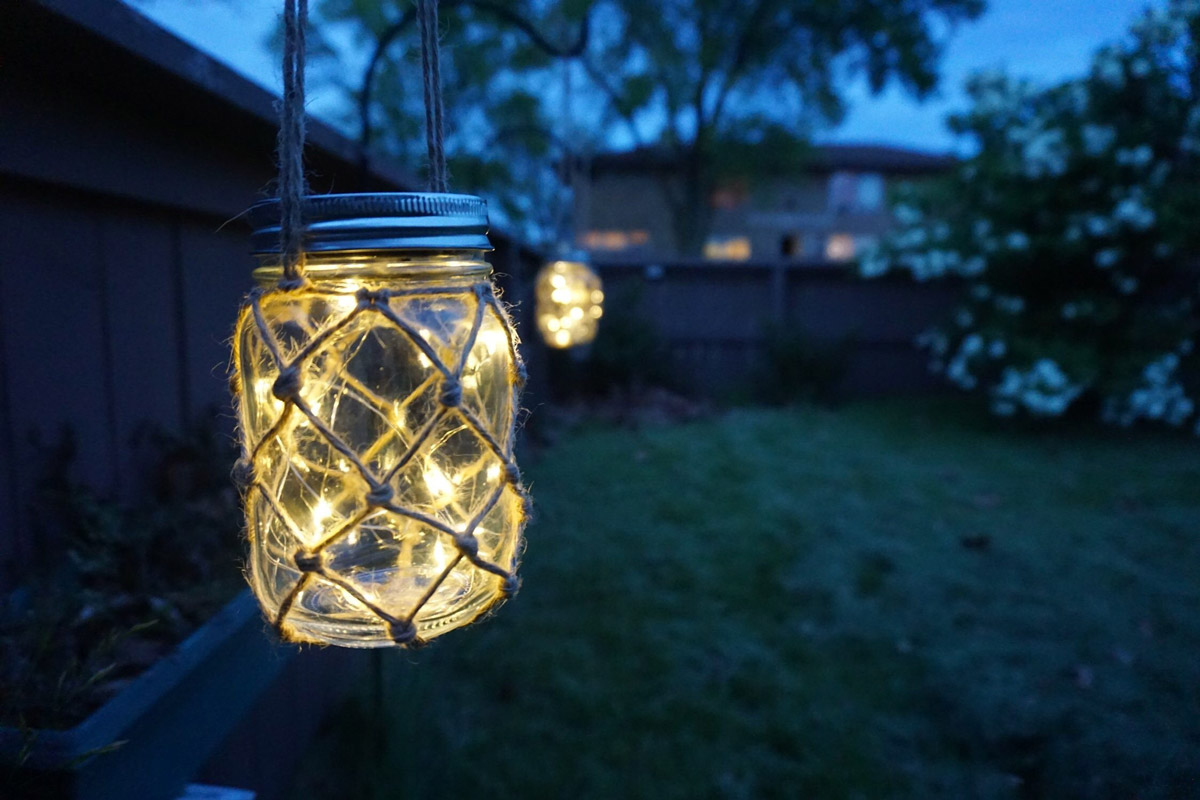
{"x":727,"y":248}
{"x":728,"y":197}
{"x":845,"y":246}
{"x":614,"y":240}
{"x":839,"y":247}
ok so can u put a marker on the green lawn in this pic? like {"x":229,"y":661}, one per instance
{"x":881,"y":601}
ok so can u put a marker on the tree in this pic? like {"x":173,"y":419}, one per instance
{"x":700,"y":79}
{"x":1074,"y":232}
{"x":498,"y":65}
{"x":722,"y":76}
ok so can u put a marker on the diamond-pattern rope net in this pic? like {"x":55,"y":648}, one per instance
{"x":383,"y":501}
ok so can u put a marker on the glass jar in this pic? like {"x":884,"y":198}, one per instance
{"x":377,"y":406}
{"x":570,"y":302}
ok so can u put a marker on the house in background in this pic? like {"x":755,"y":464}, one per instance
{"x":828,"y":213}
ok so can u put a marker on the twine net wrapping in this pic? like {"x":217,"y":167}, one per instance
{"x":383,"y":502}
{"x":569,"y":304}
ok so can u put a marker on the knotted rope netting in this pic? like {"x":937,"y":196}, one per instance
{"x":377,"y":489}
{"x":296,"y":350}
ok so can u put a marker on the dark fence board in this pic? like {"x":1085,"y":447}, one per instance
{"x":54,"y":337}
{"x":136,"y":250}
{"x":215,"y":269}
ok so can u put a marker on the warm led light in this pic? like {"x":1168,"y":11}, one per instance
{"x":345,"y":303}
{"x":441,"y":555}
{"x":262,"y":390}
{"x":569,"y":299}
{"x":441,"y":488}
{"x":492,"y":339}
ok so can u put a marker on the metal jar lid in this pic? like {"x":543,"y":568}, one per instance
{"x":379,"y":221}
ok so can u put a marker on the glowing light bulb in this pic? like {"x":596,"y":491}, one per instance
{"x":263,"y":390}
{"x":423,"y":359}
{"x":439,"y":485}
{"x":440,"y":554}
{"x":494,"y":340}
{"x":321,"y":512}
{"x":344,"y":303}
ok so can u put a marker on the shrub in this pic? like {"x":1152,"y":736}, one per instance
{"x":1075,"y":230}
{"x":796,"y":368}
{"x":628,"y":354}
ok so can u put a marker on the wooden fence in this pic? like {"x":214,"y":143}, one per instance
{"x":714,"y":319}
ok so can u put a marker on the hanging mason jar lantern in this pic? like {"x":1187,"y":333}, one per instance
{"x":377,"y":404}
{"x":570,"y":302}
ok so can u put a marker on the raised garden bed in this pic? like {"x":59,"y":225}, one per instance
{"x":132,"y":650}
{"x":152,"y":737}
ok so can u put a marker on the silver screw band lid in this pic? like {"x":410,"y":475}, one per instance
{"x":378,"y":221}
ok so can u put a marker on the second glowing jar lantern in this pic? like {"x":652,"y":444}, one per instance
{"x":377,"y":405}
{"x":570,"y":302}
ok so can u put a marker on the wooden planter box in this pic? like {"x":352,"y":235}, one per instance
{"x":169,"y":720}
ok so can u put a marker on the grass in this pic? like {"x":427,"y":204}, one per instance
{"x":881,"y":601}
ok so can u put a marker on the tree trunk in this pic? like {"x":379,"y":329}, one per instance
{"x":690,"y":209}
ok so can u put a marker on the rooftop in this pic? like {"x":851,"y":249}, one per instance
{"x":825,"y":158}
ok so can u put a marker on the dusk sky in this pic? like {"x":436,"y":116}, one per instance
{"x":1045,"y":40}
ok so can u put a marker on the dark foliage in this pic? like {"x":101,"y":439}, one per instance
{"x":118,"y":584}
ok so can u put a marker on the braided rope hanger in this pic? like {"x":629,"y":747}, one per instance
{"x":292,"y":131}
{"x":292,"y":184}
{"x":435,"y":126}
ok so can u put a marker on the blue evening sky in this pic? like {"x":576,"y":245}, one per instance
{"x":1045,"y":40}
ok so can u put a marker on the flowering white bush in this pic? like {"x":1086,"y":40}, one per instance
{"x":1075,"y":231}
